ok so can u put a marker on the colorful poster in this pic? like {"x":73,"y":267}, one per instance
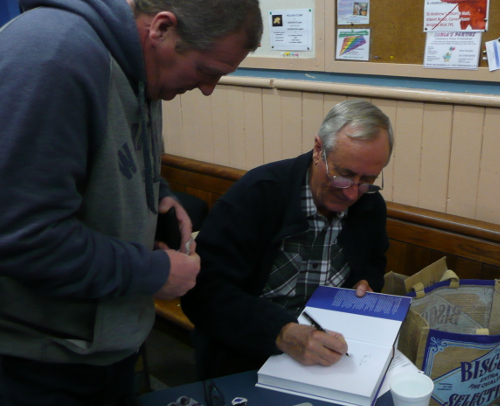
{"x":353,"y":45}
{"x":353,"y":12}
{"x":452,"y":50}
{"x":456,"y":15}
{"x":291,"y":30}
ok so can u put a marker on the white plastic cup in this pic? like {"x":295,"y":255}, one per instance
{"x":411,"y":389}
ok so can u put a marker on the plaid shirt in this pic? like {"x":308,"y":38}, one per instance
{"x":308,"y":259}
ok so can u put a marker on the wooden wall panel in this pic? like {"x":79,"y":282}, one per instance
{"x":396,"y":256}
{"x":172,"y":127}
{"x":220,"y":126}
{"x":488,"y":196}
{"x":445,"y":155}
{"x":467,"y":269}
{"x":254,"y":148}
{"x":434,"y":168}
{"x":491,"y":272}
{"x":291,"y":124}
{"x":416,"y":258}
{"x":202,"y":194}
{"x":197,"y":127}
{"x":389,"y":107}
{"x":271,"y":118}
{"x":407,"y":158}
{"x":465,"y":160}
{"x":312,"y":117}
{"x":235,"y":117}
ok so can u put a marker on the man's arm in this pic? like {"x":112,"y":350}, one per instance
{"x":49,"y":130}
{"x":233,"y":243}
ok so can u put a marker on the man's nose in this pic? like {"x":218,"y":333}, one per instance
{"x":207,"y":86}
{"x":351,"y":192}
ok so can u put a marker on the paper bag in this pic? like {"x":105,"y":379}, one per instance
{"x":452,"y":333}
{"x":397,"y":284}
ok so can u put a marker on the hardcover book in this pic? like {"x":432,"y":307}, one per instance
{"x":370,"y":326}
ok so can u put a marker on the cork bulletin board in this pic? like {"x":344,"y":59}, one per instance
{"x":397,"y":42}
{"x":397,"y":34}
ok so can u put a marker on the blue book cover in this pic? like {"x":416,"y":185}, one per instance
{"x":371,"y":304}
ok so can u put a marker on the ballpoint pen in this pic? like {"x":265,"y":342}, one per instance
{"x":316,"y":325}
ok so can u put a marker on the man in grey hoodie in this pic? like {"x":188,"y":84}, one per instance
{"x":80,"y":145}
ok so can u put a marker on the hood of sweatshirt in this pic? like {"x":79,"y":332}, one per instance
{"x":114,"y":22}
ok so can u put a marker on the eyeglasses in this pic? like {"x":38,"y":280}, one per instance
{"x":213,"y":395}
{"x":345,"y":183}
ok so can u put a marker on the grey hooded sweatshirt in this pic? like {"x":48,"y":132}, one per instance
{"x":79,"y":184}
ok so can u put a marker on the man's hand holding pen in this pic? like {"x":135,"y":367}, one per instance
{"x":310,"y":346}
{"x":313,"y":345}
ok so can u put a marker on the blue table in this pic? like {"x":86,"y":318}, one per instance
{"x":239,"y":385}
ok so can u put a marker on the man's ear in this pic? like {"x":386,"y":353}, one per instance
{"x":318,"y":147}
{"x":162,"y":26}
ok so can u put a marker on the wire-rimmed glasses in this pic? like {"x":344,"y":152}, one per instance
{"x":344,"y":183}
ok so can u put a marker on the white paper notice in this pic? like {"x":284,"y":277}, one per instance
{"x":353,"y":12}
{"x":456,"y":15}
{"x":353,"y":45}
{"x":452,"y":50}
{"x":493,"y":51}
{"x":291,"y":30}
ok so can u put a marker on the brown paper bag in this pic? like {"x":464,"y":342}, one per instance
{"x":397,"y":284}
{"x":452,"y":333}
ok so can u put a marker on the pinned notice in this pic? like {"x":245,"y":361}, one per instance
{"x":291,"y":30}
{"x":452,"y":50}
{"x":456,"y":15}
{"x":493,"y":51}
{"x":353,"y":45}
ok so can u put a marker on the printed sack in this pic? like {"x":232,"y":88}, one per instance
{"x":452,"y":333}
{"x":397,"y":284}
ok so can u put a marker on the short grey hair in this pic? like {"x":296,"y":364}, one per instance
{"x":368,"y":119}
{"x":202,"y":22}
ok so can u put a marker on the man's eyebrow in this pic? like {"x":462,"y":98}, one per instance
{"x":344,"y":171}
{"x":348,"y":173}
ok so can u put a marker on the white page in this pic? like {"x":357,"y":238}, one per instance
{"x":353,"y":326}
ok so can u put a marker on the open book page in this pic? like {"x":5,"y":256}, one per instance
{"x":355,"y":327}
{"x":366,"y":364}
{"x":374,"y":317}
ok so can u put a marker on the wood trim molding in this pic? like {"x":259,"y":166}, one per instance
{"x":192,"y":165}
{"x":382,"y":92}
{"x":447,"y":222}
